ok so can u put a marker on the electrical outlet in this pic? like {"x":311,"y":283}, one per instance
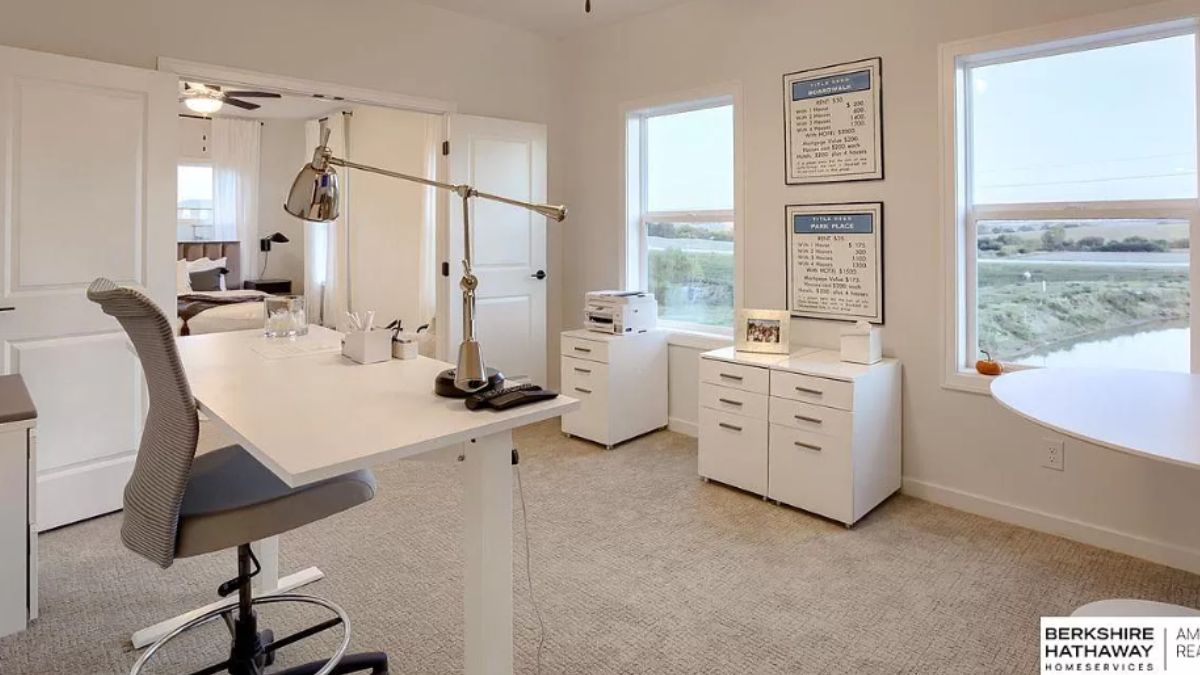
{"x":1055,"y":451}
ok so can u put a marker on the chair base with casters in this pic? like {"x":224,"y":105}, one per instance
{"x":251,"y":651}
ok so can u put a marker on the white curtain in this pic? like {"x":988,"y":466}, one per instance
{"x":235,"y":157}
{"x":325,"y":243}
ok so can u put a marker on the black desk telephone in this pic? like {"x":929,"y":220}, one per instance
{"x":509,"y":397}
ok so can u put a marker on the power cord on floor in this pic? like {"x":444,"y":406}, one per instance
{"x":529,"y":565}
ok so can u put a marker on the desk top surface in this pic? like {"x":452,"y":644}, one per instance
{"x":1149,"y":413}
{"x":315,"y":415}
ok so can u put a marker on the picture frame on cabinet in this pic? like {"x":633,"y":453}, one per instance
{"x":766,"y":331}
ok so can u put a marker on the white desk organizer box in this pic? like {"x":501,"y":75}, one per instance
{"x":374,"y":346}
{"x":862,"y":343}
{"x":805,"y":429}
{"x":621,"y":382}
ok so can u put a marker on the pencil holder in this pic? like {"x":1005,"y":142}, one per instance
{"x":368,"y":346}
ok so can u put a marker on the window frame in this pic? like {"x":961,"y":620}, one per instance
{"x":960,"y":215}
{"x":634,"y":270}
{"x":190,"y":222}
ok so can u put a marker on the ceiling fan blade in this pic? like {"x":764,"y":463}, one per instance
{"x":253,"y":94}
{"x":244,"y":105}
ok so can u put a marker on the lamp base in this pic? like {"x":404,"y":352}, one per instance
{"x":443,"y":385}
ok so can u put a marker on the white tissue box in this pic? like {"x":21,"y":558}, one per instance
{"x":368,"y":346}
{"x":862,"y":343}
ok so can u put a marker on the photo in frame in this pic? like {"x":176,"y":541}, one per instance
{"x":767,"y":331}
{"x":833,"y":119}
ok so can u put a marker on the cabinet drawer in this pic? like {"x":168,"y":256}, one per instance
{"x":588,"y":374}
{"x":733,"y":450}
{"x":811,"y":472}
{"x":818,"y":390}
{"x":736,"y":401}
{"x":815,"y":418}
{"x":592,"y":350}
{"x":735,"y":375}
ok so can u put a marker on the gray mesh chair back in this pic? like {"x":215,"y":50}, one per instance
{"x":164,"y":461}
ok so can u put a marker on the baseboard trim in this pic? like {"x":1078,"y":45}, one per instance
{"x":1163,"y":553}
{"x":685,"y":427}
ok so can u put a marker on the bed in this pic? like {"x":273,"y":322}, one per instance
{"x":218,"y":311}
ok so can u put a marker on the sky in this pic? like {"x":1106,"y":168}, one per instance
{"x":1104,"y":124}
{"x":690,"y":160}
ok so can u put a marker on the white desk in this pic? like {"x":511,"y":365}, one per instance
{"x":1147,"y":413}
{"x":314,"y":416}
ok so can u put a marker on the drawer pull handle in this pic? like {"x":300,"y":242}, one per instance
{"x":730,"y":401}
{"x":585,"y":350}
{"x":807,"y":446}
{"x":735,"y":378}
{"x":806,"y":390}
{"x":585,"y":371}
{"x":805,"y":418}
{"x":582,"y":390}
{"x":731,"y":427}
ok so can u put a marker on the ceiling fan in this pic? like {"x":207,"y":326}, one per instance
{"x":209,"y":98}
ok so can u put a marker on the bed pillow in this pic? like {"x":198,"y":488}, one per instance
{"x":183,"y":284}
{"x":204,"y":264}
{"x":208,"y":280}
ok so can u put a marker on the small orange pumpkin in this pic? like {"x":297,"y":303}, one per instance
{"x":988,"y":366}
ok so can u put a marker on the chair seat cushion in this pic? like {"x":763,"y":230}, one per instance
{"x":232,"y":499}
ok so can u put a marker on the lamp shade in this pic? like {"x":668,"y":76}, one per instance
{"x":314,"y":194}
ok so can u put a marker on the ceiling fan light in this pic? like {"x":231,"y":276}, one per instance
{"x":203,"y":104}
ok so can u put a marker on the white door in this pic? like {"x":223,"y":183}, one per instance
{"x":506,"y":158}
{"x":87,"y":189}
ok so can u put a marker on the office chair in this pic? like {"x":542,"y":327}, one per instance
{"x":178,"y":505}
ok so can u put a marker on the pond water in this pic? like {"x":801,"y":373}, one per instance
{"x":1161,"y":349}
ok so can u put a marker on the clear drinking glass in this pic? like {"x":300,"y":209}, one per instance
{"x":285,"y":316}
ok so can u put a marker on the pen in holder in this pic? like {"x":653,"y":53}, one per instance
{"x":372,"y":346}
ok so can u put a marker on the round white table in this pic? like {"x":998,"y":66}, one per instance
{"x":1153,"y":414}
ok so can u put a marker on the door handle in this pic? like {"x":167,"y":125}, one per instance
{"x":539,"y":275}
{"x":8,"y":309}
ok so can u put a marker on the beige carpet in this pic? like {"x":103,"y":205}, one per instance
{"x":639,"y":567}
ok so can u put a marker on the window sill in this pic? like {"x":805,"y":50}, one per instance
{"x":969,"y":381}
{"x":693,"y":339}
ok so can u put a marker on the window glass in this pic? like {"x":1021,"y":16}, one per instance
{"x":689,"y":161}
{"x":1113,"y":123}
{"x":194,"y":202}
{"x":691,"y":271}
{"x":1111,"y":293}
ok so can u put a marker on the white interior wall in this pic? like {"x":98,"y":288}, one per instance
{"x":386,"y":216}
{"x":282,"y":153}
{"x":959,"y":448}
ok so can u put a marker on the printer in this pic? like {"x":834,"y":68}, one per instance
{"x":620,"y":312}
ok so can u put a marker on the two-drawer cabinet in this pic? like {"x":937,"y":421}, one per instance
{"x":620,"y":381}
{"x":807,"y":430}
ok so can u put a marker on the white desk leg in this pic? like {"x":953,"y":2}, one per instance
{"x":267,"y":582}
{"x":487,"y":538}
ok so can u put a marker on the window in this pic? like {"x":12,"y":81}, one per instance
{"x":680,"y":194}
{"x":1076,"y":198}
{"x":194,"y":202}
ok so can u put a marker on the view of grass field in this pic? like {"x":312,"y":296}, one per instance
{"x":691,"y":272}
{"x":1051,"y":286}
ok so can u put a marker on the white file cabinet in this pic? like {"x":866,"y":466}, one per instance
{"x":18,"y":530}
{"x":621,"y":381}
{"x":808,"y":429}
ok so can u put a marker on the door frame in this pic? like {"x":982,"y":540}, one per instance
{"x":284,"y":84}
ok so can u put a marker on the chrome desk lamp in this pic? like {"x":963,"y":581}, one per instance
{"x":314,"y":197}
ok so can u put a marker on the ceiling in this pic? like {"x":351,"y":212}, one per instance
{"x":286,"y":108}
{"x":552,"y":17}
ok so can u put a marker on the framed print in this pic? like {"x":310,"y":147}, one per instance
{"x":835,"y":261}
{"x":763,"y":330}
{"x":834,"y":123}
